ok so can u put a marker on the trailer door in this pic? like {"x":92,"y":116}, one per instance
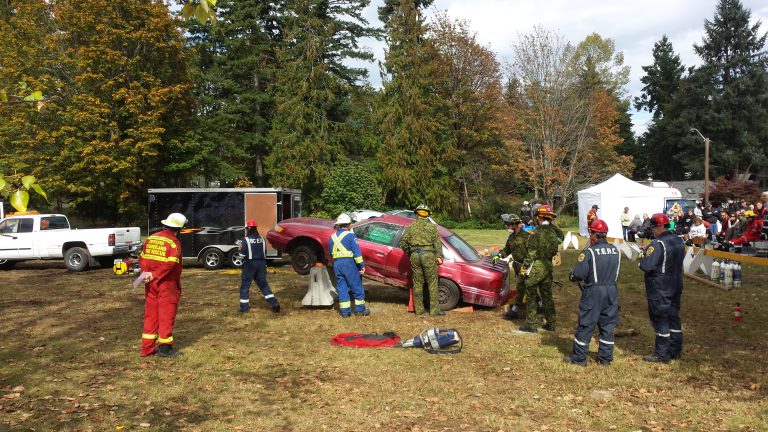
{"x":262,"y":207}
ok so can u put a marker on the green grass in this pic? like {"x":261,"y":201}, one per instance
{"x":69,"y":361}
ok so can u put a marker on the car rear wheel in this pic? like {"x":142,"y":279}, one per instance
{"x":303,"y":258}
{"x":212,"y":259}
{"x":236,"y":259}
{"x":77,"y":259}
{"x":448,"y":294}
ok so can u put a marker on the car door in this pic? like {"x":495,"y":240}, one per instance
{"x":16,"y":238}
{"x":376,"y":241}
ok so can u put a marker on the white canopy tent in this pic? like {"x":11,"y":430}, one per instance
{"x":612,"y":195}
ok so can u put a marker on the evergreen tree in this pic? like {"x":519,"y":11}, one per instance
{"x":661,"y":80}
{"x":733,"y":112}
{"x":312,"y":91}
{"x":236,"y":64}
{"x":416,"y":144}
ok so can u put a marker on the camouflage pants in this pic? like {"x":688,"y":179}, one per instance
{"x":519,"y":285}
{"x":424,"y":269}
{"x":539,"y":284}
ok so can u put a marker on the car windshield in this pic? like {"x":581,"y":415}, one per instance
{"x":463,"y":248}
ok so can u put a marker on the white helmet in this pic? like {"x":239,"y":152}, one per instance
{"x":175,"y":220}
{"x":525,"y":202}
{"x":343,"y":219}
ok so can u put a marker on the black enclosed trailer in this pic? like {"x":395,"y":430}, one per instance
{"x":216,"y":218}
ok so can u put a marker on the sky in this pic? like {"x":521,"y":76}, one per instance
{"x":634,"y":25}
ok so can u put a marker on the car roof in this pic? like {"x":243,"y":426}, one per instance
{"x":404,"y":221}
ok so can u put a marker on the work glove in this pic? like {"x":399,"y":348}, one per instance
{"x":439,"y":261}
{"x":523,"y":271}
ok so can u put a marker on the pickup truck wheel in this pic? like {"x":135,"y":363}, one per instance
{"x":76,"y":259}
{"x":303,"y":258}
{"x":236,"y":259}
{"x":5,"y":264}
{"x":448,"y":294}
{"x":213,"y":259}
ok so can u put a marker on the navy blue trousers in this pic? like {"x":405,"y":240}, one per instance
{"x":255,"y":270}
{"x":599,"y":307}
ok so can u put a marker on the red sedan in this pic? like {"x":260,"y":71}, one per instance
{"x":464,"y":275}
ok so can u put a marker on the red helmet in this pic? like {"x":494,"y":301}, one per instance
{"x":598,"y":226}
{"x":546,"y":211}
{"x":251,"y":223}
{"x":660,"y":219}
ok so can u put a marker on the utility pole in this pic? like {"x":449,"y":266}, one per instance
{"x":706,"y":165}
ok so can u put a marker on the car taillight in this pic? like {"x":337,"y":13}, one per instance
{"x":111,"y":239}
{"x":496,"y":285}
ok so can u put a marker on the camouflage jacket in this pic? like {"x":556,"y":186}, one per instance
{"x":424,"y":235}
{"x":542,"y":244}
{"x":516,"y":246}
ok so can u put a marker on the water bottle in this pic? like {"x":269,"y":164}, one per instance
{"x":715,"y":273}
{"x":729,"y":275}
{"x":737,"y":276}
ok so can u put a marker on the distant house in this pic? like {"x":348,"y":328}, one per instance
{"x":692,"y":189}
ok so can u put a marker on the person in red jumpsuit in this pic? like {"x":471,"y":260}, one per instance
{"x":160,"y":261}
{"x":752,"y":232}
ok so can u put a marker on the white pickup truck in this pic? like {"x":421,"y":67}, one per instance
{"x":48,"y":236}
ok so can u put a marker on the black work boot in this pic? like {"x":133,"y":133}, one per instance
{"x":166,"y":350}
{"x":548,"y":327}
{"x":511,"y":314}
{"x":527,"y":329}
{"x":571,"y":360}
{"x":363,"y":313}
{"x":653,"y":358}
{"x":439,"y":312}
{"x":276,"y":308}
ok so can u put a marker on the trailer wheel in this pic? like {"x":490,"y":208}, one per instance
{"x":303,"y":258}
{"x":236,"y":259}
{"x":77,"y":259}
{"x":6,"y":264}
{"x":212,"y":259}
{"x":448,"y":294}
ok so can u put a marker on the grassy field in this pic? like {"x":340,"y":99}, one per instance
{"x":69,"y":361}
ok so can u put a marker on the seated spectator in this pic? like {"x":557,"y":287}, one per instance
{"x":752,"y":232}
{"x":645,"y":228}
{"x":724,"y":222}
{"x":698,"y":233}
{"x":634,"y":228}
{"x":759,"y":209}
{"x":735,"y":227}
{"x":687,"y":221}
{"x":697,"y":209}
{"x":764,"y":200}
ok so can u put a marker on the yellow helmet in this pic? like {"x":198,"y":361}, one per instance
{"x":422,"y":210}
{"x":749,"y":214}
{"x":120,"y":267}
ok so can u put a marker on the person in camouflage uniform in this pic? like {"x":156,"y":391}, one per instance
{"x":515,"y":249}
{"x":421,"y":240}
{"x":537,"y":270}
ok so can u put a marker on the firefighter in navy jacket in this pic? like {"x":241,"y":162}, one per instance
{"x":254,"y":251}
{"x":348,"y":267}
{"x":663,"y":267}
{"x":598,"y":266}
{"x":160,"y":262}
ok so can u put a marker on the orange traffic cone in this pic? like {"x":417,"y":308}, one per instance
{"x":410,"y":300}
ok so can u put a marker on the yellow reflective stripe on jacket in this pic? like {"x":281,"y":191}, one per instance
{"x":164,"y":239}
{"x":167,"y":340}
{"x":159,"y":258}
{"x":339,"y":251}
{"x":148,"y":336}
{"x":345,"y":305}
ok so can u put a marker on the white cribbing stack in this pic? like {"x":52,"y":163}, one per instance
{"x":571,"y":239}
{"x":321,"y":290}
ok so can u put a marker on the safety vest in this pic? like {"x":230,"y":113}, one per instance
{"x":339,"y":250}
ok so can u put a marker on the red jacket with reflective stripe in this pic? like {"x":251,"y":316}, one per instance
{"x":161,"y":256}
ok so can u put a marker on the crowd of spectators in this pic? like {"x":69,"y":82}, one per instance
{"x":726,"y":225}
